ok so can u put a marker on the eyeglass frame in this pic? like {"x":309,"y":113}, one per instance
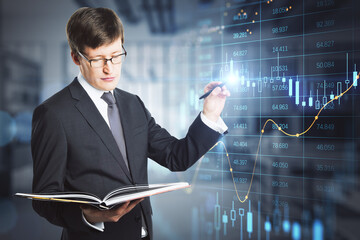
{"x":106,"y":59}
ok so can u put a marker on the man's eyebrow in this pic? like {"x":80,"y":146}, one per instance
{"x":102,"y":56}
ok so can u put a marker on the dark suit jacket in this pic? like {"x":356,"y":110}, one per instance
{"x":73,"y":149}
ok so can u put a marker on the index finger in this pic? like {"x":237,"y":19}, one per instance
{"x":123,"y":206}
{"x":135,"y":202}
{"x":211,"y":85}
{"x":223,"y":88}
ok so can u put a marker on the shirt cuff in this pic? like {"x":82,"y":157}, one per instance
{"x":97,"y":226}
{"x":218,"y":126}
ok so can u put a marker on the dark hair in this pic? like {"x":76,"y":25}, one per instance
{"x":93,"y":27}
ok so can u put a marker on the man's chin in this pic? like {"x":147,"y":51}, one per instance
{"x":109,"y":86}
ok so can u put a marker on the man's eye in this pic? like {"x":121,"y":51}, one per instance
{"x":96,"y":60}
{"x":117,"y":56}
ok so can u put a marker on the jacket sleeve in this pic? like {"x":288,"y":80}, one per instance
{"x":179,"y":154}
{"x":49,"y":153}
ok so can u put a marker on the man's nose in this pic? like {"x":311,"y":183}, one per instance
{"x":108,"y":66}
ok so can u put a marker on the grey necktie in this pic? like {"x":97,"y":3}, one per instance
{"x":115,"y":123}
{"x":116,"y":129}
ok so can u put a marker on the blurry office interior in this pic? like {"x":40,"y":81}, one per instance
{"x":161,"y":38}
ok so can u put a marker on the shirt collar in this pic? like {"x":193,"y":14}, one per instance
{"x":91,"y":91}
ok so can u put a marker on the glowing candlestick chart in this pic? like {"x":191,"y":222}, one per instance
{"x":289,"y":164}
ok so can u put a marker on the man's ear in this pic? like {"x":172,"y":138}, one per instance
{"x":75,"y":58}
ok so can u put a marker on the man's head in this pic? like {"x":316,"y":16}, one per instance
{"x":93,"y":34}
{"x":93,"y":27}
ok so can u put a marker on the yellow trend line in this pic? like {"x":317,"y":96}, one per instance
{"x":258,"y":148}
{"x":193,"y":181}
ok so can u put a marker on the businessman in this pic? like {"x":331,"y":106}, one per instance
{"x":93,"y":137}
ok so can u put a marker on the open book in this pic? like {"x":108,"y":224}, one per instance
{"x":115,"y":197}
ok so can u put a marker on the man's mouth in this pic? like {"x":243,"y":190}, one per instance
{"x":108,"y":79}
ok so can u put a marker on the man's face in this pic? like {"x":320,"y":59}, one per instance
{"x":103,"y":78}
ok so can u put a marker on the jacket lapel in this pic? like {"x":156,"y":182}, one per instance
{"x":89,"y":111}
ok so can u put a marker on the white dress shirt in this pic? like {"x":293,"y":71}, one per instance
{"x":95,"y":95}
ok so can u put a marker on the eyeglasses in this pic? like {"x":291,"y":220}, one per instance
{"x":101,"y":62}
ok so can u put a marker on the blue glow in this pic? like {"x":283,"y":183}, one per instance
{"x":311,"y":101}
{"x":290,"y":87}
{"x":318,"y":230}
{"x":297,"y":92}
{"x":296,"y":231}
{"x":267,"y":226}
{"x":332,"y":96}
{"x":250,"y":222}
{"x":355,"y":80}
{"x":286,"y":226}
{"x":225,"y":218}
{"x":232,"y":79}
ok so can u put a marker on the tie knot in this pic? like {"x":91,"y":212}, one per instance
{"x":108,"y":98}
